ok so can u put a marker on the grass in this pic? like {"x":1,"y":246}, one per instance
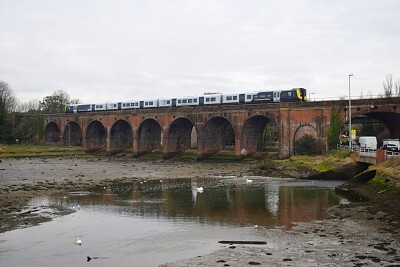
{"x":37,"y":150}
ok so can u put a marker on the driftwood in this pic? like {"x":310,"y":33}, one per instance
{"x":242,"y":242}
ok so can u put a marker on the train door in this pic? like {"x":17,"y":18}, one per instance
{"x":201,"y":101}
{"x":174,"y":102}
{"x":242,"y":98}
{"x":119,"y":105}
{"x":93,"y":107}
{"x":277,"y":96}
{"x":141,"y":104}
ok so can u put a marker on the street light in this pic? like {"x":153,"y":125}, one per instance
{"x":350,"y":132}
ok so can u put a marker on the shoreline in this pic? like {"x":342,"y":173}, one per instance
{"x":336,"y":239}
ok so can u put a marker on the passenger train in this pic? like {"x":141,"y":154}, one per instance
{"x":292,"y":95}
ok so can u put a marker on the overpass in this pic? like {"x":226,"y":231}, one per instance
{"x":170,"y":129}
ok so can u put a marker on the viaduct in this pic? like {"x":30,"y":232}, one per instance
{"x":170,"y":129}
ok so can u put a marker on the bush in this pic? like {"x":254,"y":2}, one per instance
{"x":306,"y":145}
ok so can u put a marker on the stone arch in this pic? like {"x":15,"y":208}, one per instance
{"x":391,"y":120}
{"x":72,"y":134}
{"x":96,"y":136}
{"x":149,"y":136}
{"x":178,"y":137}
{"x":216,"y":135}
{"x":52,"y":134}
{"x":253,"y":131}
{"x":121,"y":136}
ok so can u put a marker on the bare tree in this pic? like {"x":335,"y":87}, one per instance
{"x":388,"y":86}
{"x":397,"y":87}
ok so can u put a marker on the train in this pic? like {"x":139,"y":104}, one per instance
{"x":292,"y":95}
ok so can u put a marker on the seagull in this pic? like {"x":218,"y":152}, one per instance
{"x":249,"y":180}
{"x":200,"y":189}
{"x":78,"y":241}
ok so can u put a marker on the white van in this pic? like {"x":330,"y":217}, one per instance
{"x":368,"y":142}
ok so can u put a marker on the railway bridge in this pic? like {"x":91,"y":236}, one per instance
{"x":241,"y":126}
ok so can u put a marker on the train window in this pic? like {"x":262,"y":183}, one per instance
{"x":179,"y":101}
{"x":146,"y":103}
{"x":184,"y":101}
{"x":207,"y":99}
{"x":213,"y":99}
{"x":136,"y":104}
{"x":168,"y":102}
{"x":228,"y":98}
{"x":115,"y":105}
{"x":150,"y":103}
{"x":190,"y":100}
{"x":289,"y":94}
{"x":248,"y":96}
{"x":195,"y":100}
{"x":235,"y":97}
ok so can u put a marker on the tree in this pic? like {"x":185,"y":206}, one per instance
{"x":397,"y":87}
{"x":388,"y":86}
{"x":7,"y":104}
{"x":55,"y":103}
{"x":336,"y":125}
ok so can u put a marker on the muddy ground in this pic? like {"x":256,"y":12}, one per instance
{"x":356,"y":234}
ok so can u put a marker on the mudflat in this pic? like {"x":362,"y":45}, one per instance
{"x":355,"y":234}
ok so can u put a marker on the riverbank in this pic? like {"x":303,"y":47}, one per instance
{"x":359,"y":233}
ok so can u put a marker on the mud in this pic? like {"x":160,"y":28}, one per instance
{"x":355,"y":234}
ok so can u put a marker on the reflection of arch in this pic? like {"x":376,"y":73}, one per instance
{"x":120,"y":136}
{"x":149,"y":136}
{"x":72,"y":134}
{"x":179,"y":136}
{"x":217,"y":133}
{"x":95,"y":136}
{"x":253,"y":133}
{"x":52,"y":134}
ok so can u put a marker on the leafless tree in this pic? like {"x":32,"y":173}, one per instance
{"x":388,"y":86}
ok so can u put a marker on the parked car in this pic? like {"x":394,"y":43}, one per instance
{"x":390,"y":147}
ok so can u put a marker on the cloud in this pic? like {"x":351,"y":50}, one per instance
{"x":102,"y":50}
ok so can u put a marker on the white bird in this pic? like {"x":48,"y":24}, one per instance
{"x":249,"y":180}
{"x":78,"y":241}
{"x":200,"y":189}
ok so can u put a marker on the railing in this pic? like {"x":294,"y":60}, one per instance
{"x":370,"y":155}
{"x":365,"y":152}
{"x":391,"y":154}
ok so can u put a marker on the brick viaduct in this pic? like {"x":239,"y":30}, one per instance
{"x":144,"y":130}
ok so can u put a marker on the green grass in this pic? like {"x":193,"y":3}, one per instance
{"x":37,"y":150}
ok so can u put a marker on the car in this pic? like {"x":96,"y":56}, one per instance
{"x":390,"y":147}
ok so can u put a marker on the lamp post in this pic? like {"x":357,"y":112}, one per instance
{"x":350,"y":132}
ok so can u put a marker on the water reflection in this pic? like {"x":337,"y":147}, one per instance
{"x":146,"y":223}
{"x":265,"y":202}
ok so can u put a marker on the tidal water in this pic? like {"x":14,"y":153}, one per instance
{"x":158,"y":221}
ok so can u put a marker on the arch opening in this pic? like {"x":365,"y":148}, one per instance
{"x":149,"y":136}
{"x":217,"y":135}
{"x":121,"y":137}
{"x":179,"y":137}
{"x":259,"y":133}
{"x":96,"y":136}
{"x":52,"y":134}
{"x":72,"y":134}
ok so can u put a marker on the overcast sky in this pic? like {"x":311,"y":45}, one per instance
{"x":109,"y":50}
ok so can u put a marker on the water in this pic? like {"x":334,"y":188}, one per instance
{"x":154,"y":222}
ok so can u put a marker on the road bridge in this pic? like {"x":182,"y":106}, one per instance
{"x":171,"y":129}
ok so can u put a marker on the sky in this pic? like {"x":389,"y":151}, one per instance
{"x":113,"y":50}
